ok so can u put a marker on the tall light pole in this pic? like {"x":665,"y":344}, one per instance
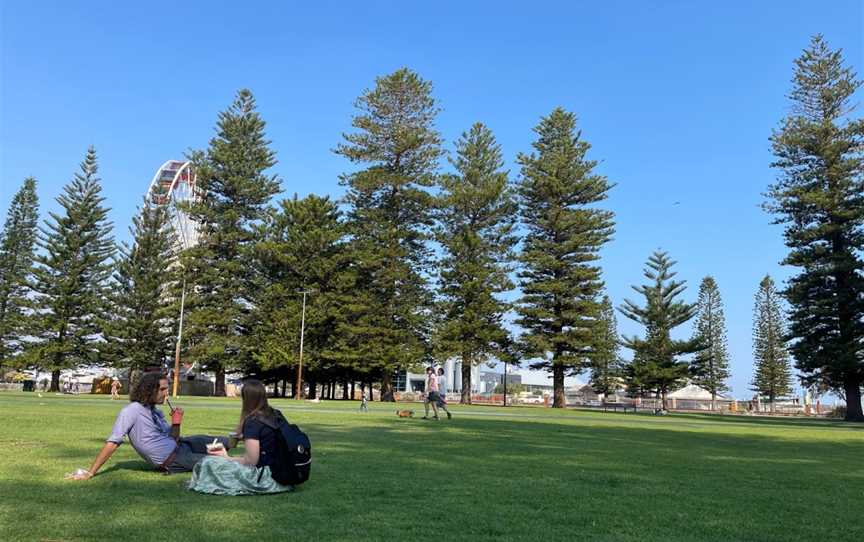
{"x":505,"y":382}
{"x":298,"y":384}
{"x":179,"y":337}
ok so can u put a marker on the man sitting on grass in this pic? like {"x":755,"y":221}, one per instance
{"x":151,"y":436}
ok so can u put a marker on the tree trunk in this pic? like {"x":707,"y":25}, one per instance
{"x":852,"y":388}
{"x":352,"y":389}
{"x":220,"y":382}
{"x":844,"y":279}
{"x":559,"y":400}
{"x":345,"y":390}
{"x":713,"y":401}
{"x":134,"y":377}
{"x":466,"y":381}
{"x":55,"y":374}
{"x":313,"y":389}
{"x":387,"y":388}
{"x":293,"y":389}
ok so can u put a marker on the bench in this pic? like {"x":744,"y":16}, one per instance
{"x":615,"y":406}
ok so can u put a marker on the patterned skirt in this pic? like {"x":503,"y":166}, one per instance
{"x":219,"y":476}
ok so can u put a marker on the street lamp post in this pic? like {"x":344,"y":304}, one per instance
{"x":505,"y":382}
{"x":179,"y":337}
{"x":299,"y":382}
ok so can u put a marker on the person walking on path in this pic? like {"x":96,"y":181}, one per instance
{"x":431,"y":393}
{"x":115,"y":389}
{"x":442,"y":392}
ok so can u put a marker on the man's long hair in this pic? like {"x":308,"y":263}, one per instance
{"x":147,"y":389}
{"x":254,"y":403}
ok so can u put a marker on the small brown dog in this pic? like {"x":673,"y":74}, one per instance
{"x":405,"y":413}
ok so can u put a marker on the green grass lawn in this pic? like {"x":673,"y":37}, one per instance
{"x":489,"y":474}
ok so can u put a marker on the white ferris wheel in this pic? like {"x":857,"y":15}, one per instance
{"x":173,"y":185}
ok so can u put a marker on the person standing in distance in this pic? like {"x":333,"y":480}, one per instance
{"x":364,"y":402}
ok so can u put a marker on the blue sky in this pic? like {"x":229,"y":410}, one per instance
{"x":677,"y":98}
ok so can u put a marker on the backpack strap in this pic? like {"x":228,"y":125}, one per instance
{"x":272,"y":423}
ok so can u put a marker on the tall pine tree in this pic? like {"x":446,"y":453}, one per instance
{"x":71,"y":276}
{"x":221,"y":281}
{"x":772,"y":378}
{"x":560,"y":281}
{"x":657,"y":365}
{"x":305,"y":248}
{"x":710,"y":367}
{"x":17,"y":251}
{"x":477,"y":211}
{"x":819,"y":196}
{"x":140,"y":330}
{"x":390,"y":219}
{"x":606,"y":370}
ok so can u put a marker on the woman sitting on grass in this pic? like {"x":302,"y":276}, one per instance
{"x":249,"y":474}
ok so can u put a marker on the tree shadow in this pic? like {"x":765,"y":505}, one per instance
{"x":490,"y":478}
{"x":811,"y":423}
{"x":136,"y":466}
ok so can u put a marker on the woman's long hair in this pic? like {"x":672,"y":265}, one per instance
{"x":254,"y":396}
{"x":147,"y":389}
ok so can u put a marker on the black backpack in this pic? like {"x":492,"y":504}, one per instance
{"x":294,"y":452}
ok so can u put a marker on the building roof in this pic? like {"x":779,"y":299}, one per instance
{"x":694,"y":392}
{"x":541,"y":378}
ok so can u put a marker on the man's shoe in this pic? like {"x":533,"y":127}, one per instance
{"x":435,"y":418}
{"x":449,"y":416}
{"x":425,"y":418}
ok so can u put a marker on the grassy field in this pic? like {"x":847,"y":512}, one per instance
{"x":489,"y":474}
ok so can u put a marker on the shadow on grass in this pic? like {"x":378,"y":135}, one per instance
{"x":813,"y":423}
{"x":487,"y":479}
{"x":137,"y":466}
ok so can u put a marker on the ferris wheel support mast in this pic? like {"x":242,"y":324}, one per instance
{"x":174,"y":183}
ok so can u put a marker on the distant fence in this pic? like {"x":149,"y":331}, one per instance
{"x":704,"y":405}
{"x":476,"y":398}
{"x":641,"y":404}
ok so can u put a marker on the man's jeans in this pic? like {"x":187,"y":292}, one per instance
{"x":191,"y":450}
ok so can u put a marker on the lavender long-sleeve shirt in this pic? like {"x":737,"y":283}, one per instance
{"x":148,"y":432}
